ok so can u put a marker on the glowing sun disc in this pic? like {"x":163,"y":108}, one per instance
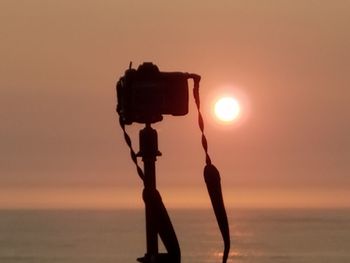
{"x":227,"y":109}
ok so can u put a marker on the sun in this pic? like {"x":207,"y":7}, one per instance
{"x":227,"y":109}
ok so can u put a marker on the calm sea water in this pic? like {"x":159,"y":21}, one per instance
{"x":259,"y":236}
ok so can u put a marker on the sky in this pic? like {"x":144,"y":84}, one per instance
{"x":287,"y":62}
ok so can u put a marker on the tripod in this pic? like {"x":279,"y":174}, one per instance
{"x":157,"y":219}
{"x":139,"y":92}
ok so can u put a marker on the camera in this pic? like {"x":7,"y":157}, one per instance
{"x":146,"y":94}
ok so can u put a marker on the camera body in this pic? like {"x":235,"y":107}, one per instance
{"x":145,"y":94}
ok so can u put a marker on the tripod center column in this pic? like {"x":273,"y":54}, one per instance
{"x":149,"y":152}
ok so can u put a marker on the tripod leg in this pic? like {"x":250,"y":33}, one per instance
{"x":164,"y":226}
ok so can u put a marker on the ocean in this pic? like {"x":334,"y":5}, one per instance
{"x":118,"y":236}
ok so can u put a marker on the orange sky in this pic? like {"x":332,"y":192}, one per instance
{"x":60,"y":144}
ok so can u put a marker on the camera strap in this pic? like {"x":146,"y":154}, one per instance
{"x":212,"y":179}
{"x":132,"y":152}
